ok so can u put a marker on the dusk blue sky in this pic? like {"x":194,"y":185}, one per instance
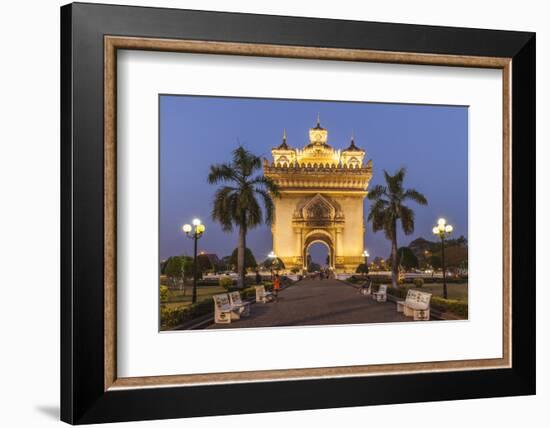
{"x":195,"y":132}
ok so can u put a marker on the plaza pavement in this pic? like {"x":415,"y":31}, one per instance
{"x":318,"y":302}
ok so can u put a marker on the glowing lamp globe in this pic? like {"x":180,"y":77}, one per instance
{"x":435,"y":230}
{"x":441,"y":222}
{"x":196,"y":222}
{"x":201,"y":228}
{"x":448,"y":228}
{"x":186,"y":228}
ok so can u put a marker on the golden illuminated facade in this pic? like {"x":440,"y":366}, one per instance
{"x":321,"y":200}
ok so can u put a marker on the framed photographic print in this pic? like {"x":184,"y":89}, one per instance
{"x":337,"y":213}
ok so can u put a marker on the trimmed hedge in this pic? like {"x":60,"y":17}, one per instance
{"x":455,"y":307}
{"x":386,"y":279}
{"x":440,"y":304}
{"x":172,"y":317}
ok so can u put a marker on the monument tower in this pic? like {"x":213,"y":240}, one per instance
{"x":321,"y":200}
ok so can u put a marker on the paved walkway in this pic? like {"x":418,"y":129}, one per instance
{"x":318,"y":302}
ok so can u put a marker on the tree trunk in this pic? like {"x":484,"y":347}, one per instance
{"x":394,"y":267}
{"x":240,"y":257}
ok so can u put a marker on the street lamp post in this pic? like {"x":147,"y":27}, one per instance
{"x":443,"y":230}
{"x":366,"y":257}
{"x":194,"y":232}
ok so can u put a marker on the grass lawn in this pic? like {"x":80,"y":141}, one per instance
{"x":455,"y":291}
{"x":177,"y":299}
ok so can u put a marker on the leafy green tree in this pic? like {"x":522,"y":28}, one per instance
{"x":273,"y":263}
{"x":361,"y":268}
{"x":249,"y":259}
{"x":456,"y":256}
{"x":313,"y":267}
{"x":379,"y":263}
{"x":435,"y":261}
{"x":236,"y":202}
{"x":163,"y":267}
{"x":188,"y":265}
{"x":204,"y":263}
{"x":174,"y":269}
{"x":389,"y":208}
{"x":406,"y":258}
{"x":225,"y":263}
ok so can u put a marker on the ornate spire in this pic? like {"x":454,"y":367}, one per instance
{"x":284,"y":145}
{"x":352,"y":147}
{"x":318,"y":126}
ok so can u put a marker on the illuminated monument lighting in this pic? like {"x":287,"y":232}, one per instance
{"x":322,"y":192}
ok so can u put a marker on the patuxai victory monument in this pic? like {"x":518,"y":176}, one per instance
{"x":321,"y":200}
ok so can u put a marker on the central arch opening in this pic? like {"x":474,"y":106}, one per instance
{"x":318,"y":256}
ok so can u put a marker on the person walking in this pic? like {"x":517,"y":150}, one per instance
{"x":258,"y":277}
{"x":276,"y":286}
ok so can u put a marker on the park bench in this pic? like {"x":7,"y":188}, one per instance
{"x":380,"y":295}
{"x":262,"y":295}
{"x":416,"y":305}
{"x":366,"y":291}
{"x":236,"y":302}
{"x":224,"y":312}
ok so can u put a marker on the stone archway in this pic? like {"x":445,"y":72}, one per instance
{"x":322,"y":237}
{"x":320,"y":189}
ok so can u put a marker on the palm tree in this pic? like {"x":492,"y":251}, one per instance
{"x":389,"y":207}
{"x":236,"y":203}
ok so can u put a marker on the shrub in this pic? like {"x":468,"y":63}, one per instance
{"x":163,"y":293}
{"x":248,"y":293}
{"x":418,"y":282}
{"x":226,"y":282}
{"x":356,"y":279}
{"x":172,"y":317}
{"x":400,"y":292}
{"x":208,"y":282}
{"x":361,"y":268}
{"x":380,"y":279}
{"x":201,"y":308}
{"x":456,"y":307}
